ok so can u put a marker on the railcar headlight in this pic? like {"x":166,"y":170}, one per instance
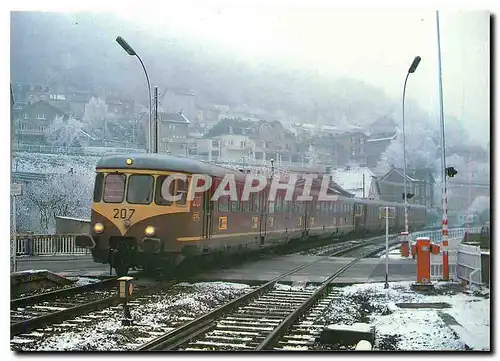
{"x":149,"y":231}
{"x":129,"y":161}
{"x":98,"y":228}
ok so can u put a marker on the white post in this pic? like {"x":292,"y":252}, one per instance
{"x":386,"y":247}
{"x":13,"y":246}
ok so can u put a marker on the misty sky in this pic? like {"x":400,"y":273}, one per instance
{"x":376,"y":46}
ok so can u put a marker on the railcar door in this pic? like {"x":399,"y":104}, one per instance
{"x":208,"y":208}
{"x":305,"y":209}
{"x":358,"y":216}
{"x":263,"y":205}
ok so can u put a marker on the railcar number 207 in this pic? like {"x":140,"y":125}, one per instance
{"x":123,"y":213}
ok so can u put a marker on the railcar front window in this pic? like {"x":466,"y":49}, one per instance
{"x":114,"y":188}
{"x":98,"y":187}
{"x":182,"y":190}
{"x":140,"y":189}
{"x":161,"y":187}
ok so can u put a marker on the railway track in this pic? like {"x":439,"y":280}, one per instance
{"x":256,"y":320}
{"x":32,"y":312}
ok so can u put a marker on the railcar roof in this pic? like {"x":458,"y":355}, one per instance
{"x":164,"y":162}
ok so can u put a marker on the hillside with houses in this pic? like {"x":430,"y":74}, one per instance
{"x":364,"y":161}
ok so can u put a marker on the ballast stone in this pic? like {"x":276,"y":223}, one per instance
{"x":347,"y":334}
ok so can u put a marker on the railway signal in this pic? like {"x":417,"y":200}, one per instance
{"x":451,"y":172}
{"x":408,"y":195}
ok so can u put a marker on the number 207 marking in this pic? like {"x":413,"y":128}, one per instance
{"x":123,"y":213}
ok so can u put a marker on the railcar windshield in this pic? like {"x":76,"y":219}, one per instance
{"x":98,"y":187}
{"x":114,"y":188}
{"x":140,"y":189}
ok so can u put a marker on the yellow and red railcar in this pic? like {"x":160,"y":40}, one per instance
{"x":132,"y":225}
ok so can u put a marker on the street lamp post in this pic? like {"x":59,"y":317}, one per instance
{"x":412,"y":69}
{"x":132,"y":52}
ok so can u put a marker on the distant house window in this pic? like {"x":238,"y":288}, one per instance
{"x":41,"y":128}
{"x":25,"y":116}
{"x":242,"y":144}
{"x":41,"y":116}
{"x":23,"y":126}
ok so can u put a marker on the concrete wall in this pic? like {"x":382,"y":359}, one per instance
{"x":67,"y":225}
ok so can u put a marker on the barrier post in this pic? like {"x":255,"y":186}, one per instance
{"x":444,"y":244}
{"x":423,"y":260}
{"x":405,"y":247}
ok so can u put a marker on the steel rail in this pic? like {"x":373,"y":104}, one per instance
{"x":37,"y":322}
{"x":279,"y":330}
{"x":188,"y":331}
{"x":31,"y":300}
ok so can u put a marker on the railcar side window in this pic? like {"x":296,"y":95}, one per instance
{"x":140,"y":189}
{"x":224,"y":204}
{"x":98,"y":187}
{"x":278,"y":205}
{"x":181,"y":190}
{"x":114,"y":188}
{"x":245,"y":206}
{"x":256,"y":203}
{"x":235,"y":206}
{"x":160,"y":189}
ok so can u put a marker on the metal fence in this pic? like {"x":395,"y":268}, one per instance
{"x":48,"y":149}
{"x":43,"y":245}
{"x":437,"y":265}
{"x":469,"y":264}
{"x":464,"y":262}
{"x":455,"y":235}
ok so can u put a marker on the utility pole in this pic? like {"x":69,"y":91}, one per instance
{"x":155,"y":126}
{"x":364,"y":186}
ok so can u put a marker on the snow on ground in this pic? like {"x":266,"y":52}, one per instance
{"x":296,"y":286}
{"x":51,"y":163}
{"x":465,"y":325}
{"x":82,"y":281}
{"x":153,"y":316}
{"x":30,"y":271}
{"x":394,"y":254}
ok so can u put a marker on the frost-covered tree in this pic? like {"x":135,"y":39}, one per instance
{"x":61,"y":195}
{"x":96,"y":114}
{"x":96,"y":110}
{"x":479,"y":205}
{"x":420,"y":151}
{"x":65,"y":132}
